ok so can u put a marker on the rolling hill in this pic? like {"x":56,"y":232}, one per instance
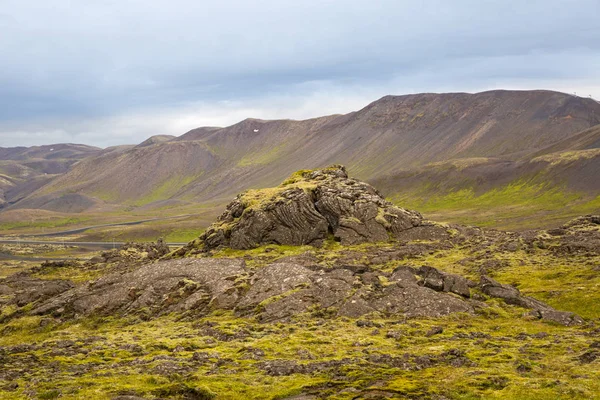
{"x":25,"y":169}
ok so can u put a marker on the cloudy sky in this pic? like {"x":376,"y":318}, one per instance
{"x":106,"y":72}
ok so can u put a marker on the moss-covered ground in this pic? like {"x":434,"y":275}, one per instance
{"x":499,"y":353}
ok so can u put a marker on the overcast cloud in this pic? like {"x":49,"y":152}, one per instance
{"x":107,"y":72}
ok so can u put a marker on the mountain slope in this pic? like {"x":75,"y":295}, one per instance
{"x":538,"y":191}
{"x":25,"y":169}
{"x":135,"y":176}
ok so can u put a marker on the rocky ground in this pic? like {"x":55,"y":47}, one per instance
{"x":428,"y":311}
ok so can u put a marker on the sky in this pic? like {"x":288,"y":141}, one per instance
{"x":109,"y":72}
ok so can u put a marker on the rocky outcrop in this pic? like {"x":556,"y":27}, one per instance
{"x":131,"y":251}
{"x":21,"y":289}
{"x":306,"y":209}
{"x":444,"y":282}
{"x":580,"y":236}
{"x":275,"y":292}
{"x":195,"y":285}
{"x":512,"y":295}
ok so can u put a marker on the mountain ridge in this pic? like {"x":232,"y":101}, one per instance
{"x":388,"y":136}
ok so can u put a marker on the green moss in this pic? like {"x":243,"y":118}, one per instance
{"x":567,"y":156}
{"x":229,"y":375}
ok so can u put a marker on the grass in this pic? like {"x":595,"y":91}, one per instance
{"x":50,"y":223}
{"x":568,"y":156}
{"x":518,"y":205}
{"x":165,"y":190}
{"x":262,"y":157}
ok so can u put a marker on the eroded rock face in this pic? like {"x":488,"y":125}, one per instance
{"x":306,"y":209}
{"x":579,"y":236}
{"x":275,"y":292}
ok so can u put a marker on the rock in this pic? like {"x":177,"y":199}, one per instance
{"x":404,"y":276}
{"x":436,"y":330}
{"x":60,"y":264}
{"x":280,"y":367}
{"x":169,"y":286}
{"x":6,"y":290}
{"x":275,"y":292}
{"x":511,"y":295}
{"x":560,"y":317}
{"x":443,"y":282}
{"x":411,"y":301}
{"x":589,"y":357}
{"x":134,"y":252}
{"x":305,"y":209}
{"x":394,"y":335}
{"x":251,"y":353}
{"x":275,"y":280}
{"x":579,"y":236}
{"x":30,"y":290}
{"x":496,"y":289}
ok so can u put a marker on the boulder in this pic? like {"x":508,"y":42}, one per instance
{"x":444,"y":282}
{"x":512,"y":295}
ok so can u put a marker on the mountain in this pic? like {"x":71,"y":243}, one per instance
{"x":25,"y":169}
{"x":396,"y":141}
{"x":156,"y":139}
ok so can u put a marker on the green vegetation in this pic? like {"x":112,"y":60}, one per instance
{"x":165,"y":190}
{"x":49,"y":223}
{"x":499,"y":353}
{"x":518,"y":205}
{"x":506,"y":360}
{"x":262,"y":157}
{"x":568,"y":156}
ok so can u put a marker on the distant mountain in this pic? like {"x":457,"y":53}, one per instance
{"x":397,"y":140}
{"x":25,"y":169}
{"x":62,"y":151}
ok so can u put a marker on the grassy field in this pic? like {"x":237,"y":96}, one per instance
{"x":516,"y":206}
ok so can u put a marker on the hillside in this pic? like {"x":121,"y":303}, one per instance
{"x":539,"y":190}
{"x":25,"y":169}
{"x":401,"y":142}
